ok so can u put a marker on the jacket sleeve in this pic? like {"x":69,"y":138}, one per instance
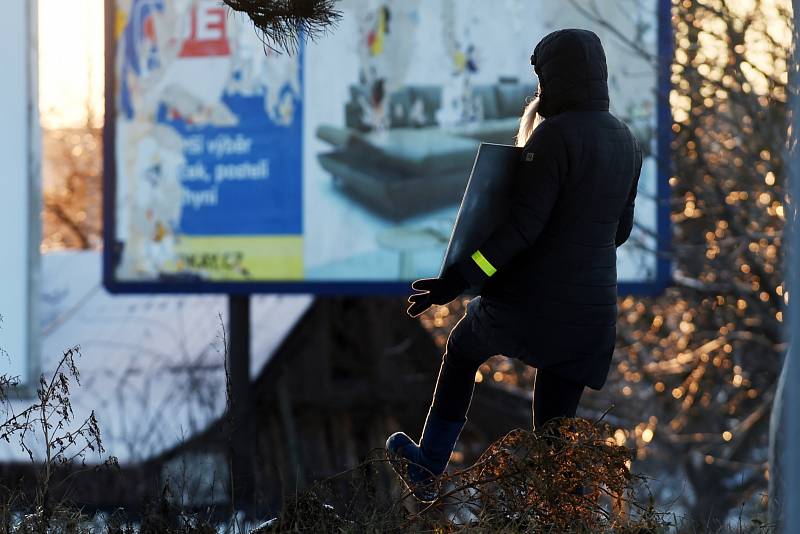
{"x":540,"y":173}
{"x":626,"y":220}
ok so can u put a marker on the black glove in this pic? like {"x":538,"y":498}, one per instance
{"x":436,"y":290}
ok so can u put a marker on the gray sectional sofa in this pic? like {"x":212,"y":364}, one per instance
{"x":416,"y":165}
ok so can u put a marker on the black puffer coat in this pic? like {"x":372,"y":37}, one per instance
{"x":549,"y":273}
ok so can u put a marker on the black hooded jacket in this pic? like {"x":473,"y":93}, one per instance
{"x":549,"y":273}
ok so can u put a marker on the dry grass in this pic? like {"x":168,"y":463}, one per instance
{"x":570,"y":477}
{"x":524,"y":482}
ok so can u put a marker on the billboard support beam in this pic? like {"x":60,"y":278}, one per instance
{"x":784,"y":447}
{"x":20,"y":203}
{"x":241,"y":435}
{"x":792,"y":363}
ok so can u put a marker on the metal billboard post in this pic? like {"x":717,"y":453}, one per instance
{"x":241,"y":435}
{"x":791,"y":452}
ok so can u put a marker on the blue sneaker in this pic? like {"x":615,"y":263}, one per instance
{"x":419,"y":466}
{"x":405,"y":458}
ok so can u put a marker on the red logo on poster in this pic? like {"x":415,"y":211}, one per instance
{"x":207,"y":36}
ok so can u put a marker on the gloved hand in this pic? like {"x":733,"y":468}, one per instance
{"x":436,"y":290}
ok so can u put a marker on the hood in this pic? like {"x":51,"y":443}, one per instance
{"x":571,"y":66}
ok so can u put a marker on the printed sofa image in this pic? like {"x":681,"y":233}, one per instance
{"x":414,"y":163}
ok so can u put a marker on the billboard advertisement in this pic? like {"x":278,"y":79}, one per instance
{"x":234,"y":168}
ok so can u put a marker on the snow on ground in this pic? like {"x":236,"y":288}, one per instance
{"x":151,"y":366}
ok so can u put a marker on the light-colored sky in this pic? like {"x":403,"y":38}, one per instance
{"x":70,"y":61}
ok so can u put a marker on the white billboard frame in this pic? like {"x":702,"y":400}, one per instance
{"x":20,"y":203}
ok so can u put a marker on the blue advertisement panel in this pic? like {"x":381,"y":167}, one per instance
{"x":339,"y":169}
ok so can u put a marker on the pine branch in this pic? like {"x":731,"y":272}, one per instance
{"x":284,"y":24}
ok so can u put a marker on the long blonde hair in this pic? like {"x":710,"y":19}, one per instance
{"x":530,"y":120}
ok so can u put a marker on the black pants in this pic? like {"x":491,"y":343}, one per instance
{"x":552,"y":396}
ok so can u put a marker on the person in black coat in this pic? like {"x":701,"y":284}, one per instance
{"x":548,"y":274}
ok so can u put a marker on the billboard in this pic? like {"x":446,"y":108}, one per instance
{"x":19,"y":201}
{"x":233,"y":168}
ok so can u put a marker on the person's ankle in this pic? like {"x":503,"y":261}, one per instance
{"x":438,"y":440}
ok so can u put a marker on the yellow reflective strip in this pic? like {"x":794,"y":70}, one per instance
{"x":483,"y":263}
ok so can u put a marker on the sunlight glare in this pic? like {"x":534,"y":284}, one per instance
{"x":70,"y":62}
